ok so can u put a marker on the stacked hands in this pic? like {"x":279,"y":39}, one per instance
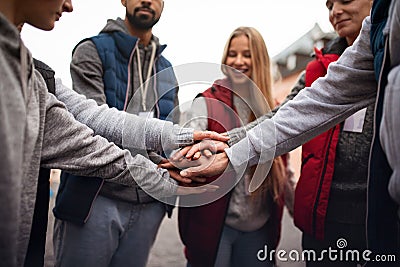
{"x":192,"y":164}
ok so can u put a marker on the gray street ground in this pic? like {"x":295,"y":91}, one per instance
{"x":168,"y":249}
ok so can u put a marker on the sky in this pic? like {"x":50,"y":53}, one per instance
{"x":195,"y":31}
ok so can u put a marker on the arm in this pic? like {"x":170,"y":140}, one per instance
{"x":123,"y":128}
{"x":238,"y":134}
{"x":71,"y":146}
{"x":87,"y":72}
{"x":348,"y":86}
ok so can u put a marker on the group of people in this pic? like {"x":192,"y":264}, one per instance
{"x":349,"y":182}
{"x":348,"y":186}
{"x":39,"y":131}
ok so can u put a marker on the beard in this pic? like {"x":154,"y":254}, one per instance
{"x":143,"y":22}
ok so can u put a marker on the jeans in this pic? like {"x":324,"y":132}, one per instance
{"x":117,"y":234}
{"x":237,"y":248}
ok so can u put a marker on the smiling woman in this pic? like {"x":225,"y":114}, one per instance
{"x":240,"y":218}
{"x":346,"y":17}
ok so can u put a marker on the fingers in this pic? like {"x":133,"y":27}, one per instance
{"x":174,"y":174}
{"x":201,"y":135}
{"x":163,"y":160}
{"x":196,"y":155}
{"x":220,"y":146}
{"x":183,"y":163}
{"x":166,"y":165}
{"x":181,"y":153}
{"x":194,"y":172}
{"x":208,"y":148}
{"x":197,"y":179}
{"x":208,"y":145}
{"x":196,"y":190}
{"x":205,"y":152}
{"x":214,"y":165}
{"x":186,"y":180}
{"x":205,"y":147}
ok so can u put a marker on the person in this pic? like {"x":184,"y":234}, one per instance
{"x":330,"y":199}
{"x":107,"y":123}
{"x":230,"y":230}
{"x":37,"y":239}
{"x":367,"y":72}
{"x":115,"y":67}
{"x":36,"y":130}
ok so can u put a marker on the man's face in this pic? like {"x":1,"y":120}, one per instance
{"x":143,"y":14}
{"x":43,"y":14}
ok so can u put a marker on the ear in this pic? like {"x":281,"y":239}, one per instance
{"x":123,"y":2}
{"x":162,"y":6}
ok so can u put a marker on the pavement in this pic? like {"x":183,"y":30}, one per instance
{"x":168,"y":249}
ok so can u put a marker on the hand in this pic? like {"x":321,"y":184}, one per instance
{"x":206,"y":167}
{"x":208,"y":147}
{"x":174,"y":173}
{"x":201,"y":135}
{"x":181,"y":191}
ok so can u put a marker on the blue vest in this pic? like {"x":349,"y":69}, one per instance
{"x":382,"y":225}
{"x":114,"y":50}
{"x":76,"y":193}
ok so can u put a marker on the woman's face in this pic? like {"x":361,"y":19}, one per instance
{"x":239,"y":58}
{"x":346,"y":16}
{"x":43,"y":14}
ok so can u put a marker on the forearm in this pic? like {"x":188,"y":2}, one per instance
{"x":71,"y":146}
{"x":122,"y":128}
{"x":348,"y":86}
{"x":238,"y":134}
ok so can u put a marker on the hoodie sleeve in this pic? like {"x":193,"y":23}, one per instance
{"x":348,"y":86}
{"x":122,"y":128}
{"x":239,"y":133}
{"x":71,"y":146}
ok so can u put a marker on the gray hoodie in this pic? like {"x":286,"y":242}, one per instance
{"x":349,"y":86}
{"x":87,"y":76}
{"x":390,"y":126}
{"x":124,"y":128}
{"x":36,"y":128}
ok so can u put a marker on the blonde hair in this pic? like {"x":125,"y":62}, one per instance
{"x":262,"y":79}
{"x":261,"y":73}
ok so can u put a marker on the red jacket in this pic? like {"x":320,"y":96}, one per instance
{"x":318,"y":158}
{"x":201,"y":227}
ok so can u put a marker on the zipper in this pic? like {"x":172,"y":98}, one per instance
{"x":374,"y":130}
{"x":156,"y":107}
{"x":321,"y":182}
